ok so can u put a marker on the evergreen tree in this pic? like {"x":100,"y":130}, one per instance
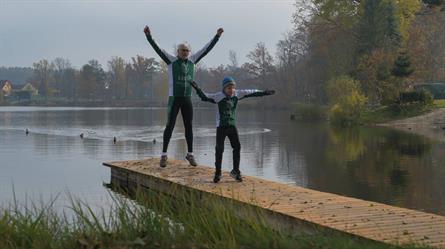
{"x":402,"y":66}
{"x":378,"y":26}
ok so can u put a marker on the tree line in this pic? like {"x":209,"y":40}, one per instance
{"x":138,"y":78}
{"x":356,"y":53}
{"x":344,"y":52}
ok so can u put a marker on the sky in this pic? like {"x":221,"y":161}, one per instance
{"x":82,"y":30}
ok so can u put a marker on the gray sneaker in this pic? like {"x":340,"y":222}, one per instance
{"x":191,"y":160}
{"x":163,"y":162}
{"x":236,"y":175}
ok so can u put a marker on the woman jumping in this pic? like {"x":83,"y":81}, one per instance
{"x":181,"y":70}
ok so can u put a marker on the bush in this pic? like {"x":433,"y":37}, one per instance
{"x":410,"y":103}
{"x":347,"y":102}
{"x":349,"y":110}
{"x":310,"y":112}
{"x":436,"y":89}
{"x":422,"y":97}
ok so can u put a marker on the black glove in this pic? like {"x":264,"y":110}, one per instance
{"x":269,"y":92}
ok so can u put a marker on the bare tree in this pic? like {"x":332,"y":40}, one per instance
{"x":44,"y":76}
{"x":142,"y":73}
{"x":233,"y":59}
{"x":261,"y":65}
{"x":64,"y":77}
{"x":118,"y":84}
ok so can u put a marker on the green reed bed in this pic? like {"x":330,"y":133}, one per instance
{"x":152,"y":220}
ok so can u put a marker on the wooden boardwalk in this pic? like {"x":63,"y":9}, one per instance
{"x":299,"y":206}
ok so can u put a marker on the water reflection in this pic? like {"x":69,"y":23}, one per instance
{"x":372,"y":163}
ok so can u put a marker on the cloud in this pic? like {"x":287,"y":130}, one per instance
{"x":81,"y":30}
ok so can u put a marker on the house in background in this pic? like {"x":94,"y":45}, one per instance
{"x":23,"y":92}
{"x":6,"y":87}
{"x":31,"y":89}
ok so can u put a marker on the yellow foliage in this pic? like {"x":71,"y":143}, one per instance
{"x":406,"y":13}
{"x":346,"y":100}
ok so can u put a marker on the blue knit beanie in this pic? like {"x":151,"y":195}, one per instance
{"x":227,"y":81}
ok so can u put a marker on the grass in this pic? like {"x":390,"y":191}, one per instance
{"x":384,"y":114}
{"x":153,"y":221}
{"x":380,"y":114}
{"x":439,"y":103}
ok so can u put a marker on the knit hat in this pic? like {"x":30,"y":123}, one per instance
{"x":227,"y":81}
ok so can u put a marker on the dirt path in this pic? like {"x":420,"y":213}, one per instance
{"x":431,"y":125}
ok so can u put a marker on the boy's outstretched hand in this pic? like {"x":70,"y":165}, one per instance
{"x":269,"y":92}
{"x":219,"y":31}
{"x":147,"y":30}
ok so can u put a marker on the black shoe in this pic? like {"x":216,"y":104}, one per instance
{"x":236,"y":175}
{"x":191,"y":160}
{"x":217,"y":177}
{"x":163,"y":162}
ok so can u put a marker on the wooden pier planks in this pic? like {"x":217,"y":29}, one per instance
{"x":353,"y":216}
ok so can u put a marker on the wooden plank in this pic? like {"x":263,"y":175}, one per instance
{"x":294,"y":206}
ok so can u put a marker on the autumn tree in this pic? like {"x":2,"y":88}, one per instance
{"x":118,"y":83}
{"x":426,"y":47}
{"x":141,"y":74}
{"x":91,"y":81}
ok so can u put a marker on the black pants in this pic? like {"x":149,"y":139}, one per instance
{"x":232,"y":133}
{"x":174,"y":105}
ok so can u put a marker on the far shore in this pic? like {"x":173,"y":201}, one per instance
{"x":431,"y":124}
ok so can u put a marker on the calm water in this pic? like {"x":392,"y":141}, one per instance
{"x":377,"y":164}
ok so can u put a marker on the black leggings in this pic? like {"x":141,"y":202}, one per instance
{"x":232,"y":133}
{"x":174,"y":105}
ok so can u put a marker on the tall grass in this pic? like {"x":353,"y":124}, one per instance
{"x":310,"y":112}
{"x":152,"y":221}
{"x":439,"y":103}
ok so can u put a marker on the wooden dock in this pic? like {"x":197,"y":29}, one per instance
{"x":290,"y":206}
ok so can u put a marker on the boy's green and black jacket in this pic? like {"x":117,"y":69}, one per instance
{"x":226,"y":105}
{"x":181,"y":72}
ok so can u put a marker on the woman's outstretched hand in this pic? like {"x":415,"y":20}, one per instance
{"x":147,"y":30}
{"x":219,"y":31}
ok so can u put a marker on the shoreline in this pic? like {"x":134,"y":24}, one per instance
{"x":430,"y":125}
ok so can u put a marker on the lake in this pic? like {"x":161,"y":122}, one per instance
{"x":372,"y":163}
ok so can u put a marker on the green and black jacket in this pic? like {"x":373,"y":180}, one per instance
{"x":180,"y":71}
{"x":226,"y":105}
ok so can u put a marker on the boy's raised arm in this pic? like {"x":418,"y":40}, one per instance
{"x":196,"y":57}
{"x":165,"y":56}
{"x":201,"y":94}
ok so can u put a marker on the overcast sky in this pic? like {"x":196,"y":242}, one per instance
{"x":82,"y":30}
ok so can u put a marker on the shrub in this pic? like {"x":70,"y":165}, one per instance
{"x":310,"y":112}
{"x":411,"y":102}
{"x":408,"y":97}
{"x":349,"y":110}
{"x":347,"y":102}
{"x":436,"y":89}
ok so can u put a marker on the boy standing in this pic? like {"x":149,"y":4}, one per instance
{"x":227,"y":101}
